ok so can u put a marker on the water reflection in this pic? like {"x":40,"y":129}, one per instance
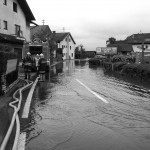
{"x":81,"y":63}
{"x":67,"y":116}
{"x":41,"y":92}
{"x":134,"y":82}
{"x":59,"y":68}
{"x":69,"y":67}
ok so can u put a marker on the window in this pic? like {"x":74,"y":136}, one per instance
{"x":14,"y":7}
{"x":69,"y":40}
{"x":5,"y":2}
{"x":17,"y":30}
{"x":72,"y":54}
{"x":64,"y":54}
{"x":70,"y":47}
{"x":5,"y":25}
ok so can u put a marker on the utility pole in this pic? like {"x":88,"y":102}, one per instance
{"x":142,"y":61}
{"x":43,"y":21}
{"x":143,"y":48}
{"x":63,"y":29}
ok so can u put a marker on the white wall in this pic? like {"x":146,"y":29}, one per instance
{"x":69,"y":48}
{"x":7,"y":14}
{"x":136,"y":49}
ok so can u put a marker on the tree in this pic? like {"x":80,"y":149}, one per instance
{"x":80,"y":52}
{"x":112,"y":40}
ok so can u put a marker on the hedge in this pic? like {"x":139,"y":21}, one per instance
{"x":118,"y":66}
{"x":6,"y":80}
{"x":122,"y":58}
{"x":3,"y":62}
{"x":5,"y":48}
{"x":95,"y":61}
{"x":139,"y":70}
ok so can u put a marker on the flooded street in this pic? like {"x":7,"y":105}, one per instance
{"x":79,"y":107}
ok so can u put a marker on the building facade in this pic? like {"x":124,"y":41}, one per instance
{"x":67,"y":43}
{"x":136,"y":40}
{"x":15,"y":19}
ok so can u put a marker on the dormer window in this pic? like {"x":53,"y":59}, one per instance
{"x":14,"y":7}
{"x":5,"y":2}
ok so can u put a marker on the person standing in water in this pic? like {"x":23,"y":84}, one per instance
{"x":42,"y":67}
{"x":27,"y":64}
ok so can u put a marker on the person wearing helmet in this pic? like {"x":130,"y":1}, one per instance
{"x":27,"y":64}
{"x":42,"y":67}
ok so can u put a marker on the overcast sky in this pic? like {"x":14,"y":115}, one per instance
{"x":92,"y":22}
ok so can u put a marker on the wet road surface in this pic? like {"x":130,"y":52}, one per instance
{"x":82,"y":108}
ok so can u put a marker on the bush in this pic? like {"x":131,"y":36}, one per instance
{"x":94,"y":61}
{"x":122,"y":58}
{"x":108,"y":65}
{"x":4,"y":56}
{"x":118,"y":66}
{"x":142,"y":71}
{"x":3,"y":62}
{"x":5,"y":48}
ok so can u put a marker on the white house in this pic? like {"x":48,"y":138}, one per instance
{"x":66,"y":42}
{"x":136,"y":40}
{"x":15,"y":19}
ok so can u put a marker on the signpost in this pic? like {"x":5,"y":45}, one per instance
{"x":106,"y":50}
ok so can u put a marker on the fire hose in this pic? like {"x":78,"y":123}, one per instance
{"x":15,"y":117}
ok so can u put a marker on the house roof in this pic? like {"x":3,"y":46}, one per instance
{"x":61,"y":36}
{"x":4,"y":38}
{"x":40,"y":31}
{"x":138,"y":38}
{"x":26,"y":9}
{"x":122,"y":47}
{"x":125,"y":48}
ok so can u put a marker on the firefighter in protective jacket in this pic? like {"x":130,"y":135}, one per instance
{"x":27,"y":64}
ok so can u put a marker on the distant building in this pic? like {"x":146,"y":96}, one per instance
{"x":40,"y":31}
{"x":41,"y":36}
{"x":15,"y":19}
{"x":65,"y":43}
{"x":122,"y":48}
{"x":136,"y":41}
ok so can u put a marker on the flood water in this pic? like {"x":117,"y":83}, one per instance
{"x":66,"y":116}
